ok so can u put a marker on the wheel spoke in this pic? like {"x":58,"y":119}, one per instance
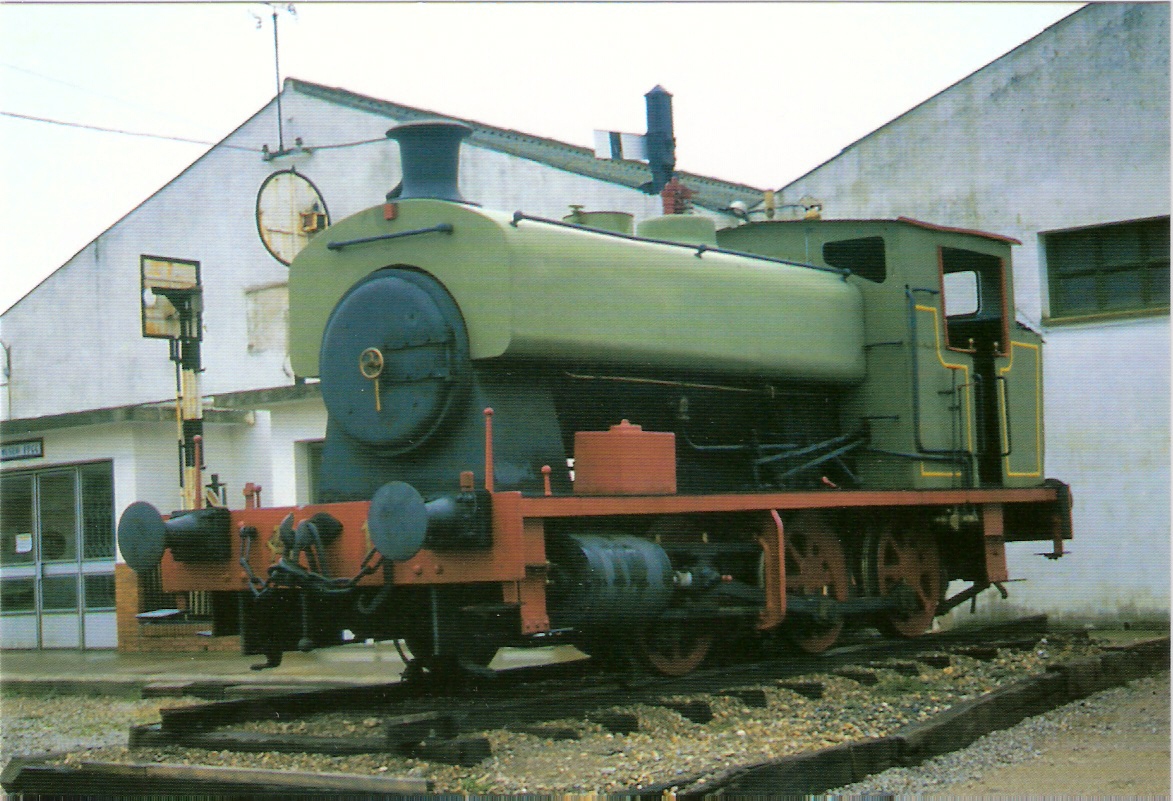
{"x":816,"y":566}
{"x":908,"y":557}
{"x":676,"y":647}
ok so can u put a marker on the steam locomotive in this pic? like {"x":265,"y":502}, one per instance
{"x":642,"y":443}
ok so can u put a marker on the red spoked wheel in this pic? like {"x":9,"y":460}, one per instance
{"x":676,"y":646}
{"x":907,"y":563}
{"x":815,"y":566}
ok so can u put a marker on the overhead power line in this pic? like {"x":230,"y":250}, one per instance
{"x":104,"y":95}
{"x":182,"y":139}
{"x":348,"y":144}
{"x":87,"y":127}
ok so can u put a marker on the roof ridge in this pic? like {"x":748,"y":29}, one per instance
{"x":714,"y":193}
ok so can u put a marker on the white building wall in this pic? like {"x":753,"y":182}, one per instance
{"x":76,"y":341}
{"x":1071,"y":129}
{"x":155,"y":476}
{"x":1107,"y":413}
{"x":144,"y":455}
{"x":85,"y":321}
{"x":71,"y":446}
{"x":294,"y":424}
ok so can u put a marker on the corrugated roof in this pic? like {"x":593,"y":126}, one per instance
{"x":711,"y":193}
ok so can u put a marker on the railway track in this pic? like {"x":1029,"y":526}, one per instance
{"x":451,"y":725}
{"x":431,"y":720}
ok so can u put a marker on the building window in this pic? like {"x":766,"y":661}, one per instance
{"x":59,"y":593}
{"x":1109,"y":270}
{"x":16,"y":520}
{"x":57,"y":506}
{"x":97,"y":504}
{"x":17,"y":595}
{"x":267,"y":318}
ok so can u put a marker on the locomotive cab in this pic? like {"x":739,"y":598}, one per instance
{"x":974,"y":308}
{"x":962,"y":407}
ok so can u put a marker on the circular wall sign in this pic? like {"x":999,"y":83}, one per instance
{"x":290,"y":210}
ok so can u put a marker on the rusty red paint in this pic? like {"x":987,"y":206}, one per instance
{"x":599,"y":506}
{"x":624,"y":460}
{"x":951,"y":230}
{"x":772,"y":540}
{"x":995,"y":543}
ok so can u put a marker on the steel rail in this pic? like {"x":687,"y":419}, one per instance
{"x":42,"y":776}
{"x":509,"y":699}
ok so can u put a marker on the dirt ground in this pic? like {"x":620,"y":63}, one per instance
{"x":1118,"y":751}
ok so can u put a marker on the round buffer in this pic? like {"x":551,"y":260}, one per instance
{"x":141,"y":536}
{"x":397,"y":521}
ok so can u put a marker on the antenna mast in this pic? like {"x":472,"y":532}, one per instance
{"x":275,"y":9}
{"x":277,"y":78}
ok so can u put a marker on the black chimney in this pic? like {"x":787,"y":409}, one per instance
{"x":429,"y":155}
{"x":660,"y":139}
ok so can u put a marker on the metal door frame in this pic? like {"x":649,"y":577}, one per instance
{"x":39,"y":568}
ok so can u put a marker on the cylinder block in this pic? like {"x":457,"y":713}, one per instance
{"x":601,"y":582}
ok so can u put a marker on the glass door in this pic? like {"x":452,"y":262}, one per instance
{"x":19,"y":614}
{"x":57,"y":513}
{"x":57,"y":558}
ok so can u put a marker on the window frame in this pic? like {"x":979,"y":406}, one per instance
{"x":983,"y":310}
{"x":1054,"y":276}
{"x":40,"y":568}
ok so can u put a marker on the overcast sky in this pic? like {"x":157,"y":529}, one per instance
{"x":763,"y":92}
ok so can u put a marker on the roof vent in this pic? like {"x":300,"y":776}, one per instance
{"x":618,"y":222}
{"x":429,"y":155}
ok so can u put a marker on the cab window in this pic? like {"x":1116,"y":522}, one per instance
{"x":971,"y":285}
{"x":864,"y":257}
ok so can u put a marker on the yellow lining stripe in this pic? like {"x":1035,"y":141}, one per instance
{"x":964,"y":385}
{"x":1038,"y":471}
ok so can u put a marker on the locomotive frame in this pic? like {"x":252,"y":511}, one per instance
{"x":517,"y":564}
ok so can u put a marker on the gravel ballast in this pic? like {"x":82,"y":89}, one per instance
{"x":667,"y":745}
{"x":1135,"y":716}
{"x":38,"y":723}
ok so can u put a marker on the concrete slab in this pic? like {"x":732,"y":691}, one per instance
{"x":111,"y":671}
{"x":209,"y":673}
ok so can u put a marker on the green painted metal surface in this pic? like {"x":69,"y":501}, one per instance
{"x":1020,"y":404}
{"x":539,"y":291}
{"x":920,"y":397}
{"x":688,"y":228}
{"x":618,"y":222}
